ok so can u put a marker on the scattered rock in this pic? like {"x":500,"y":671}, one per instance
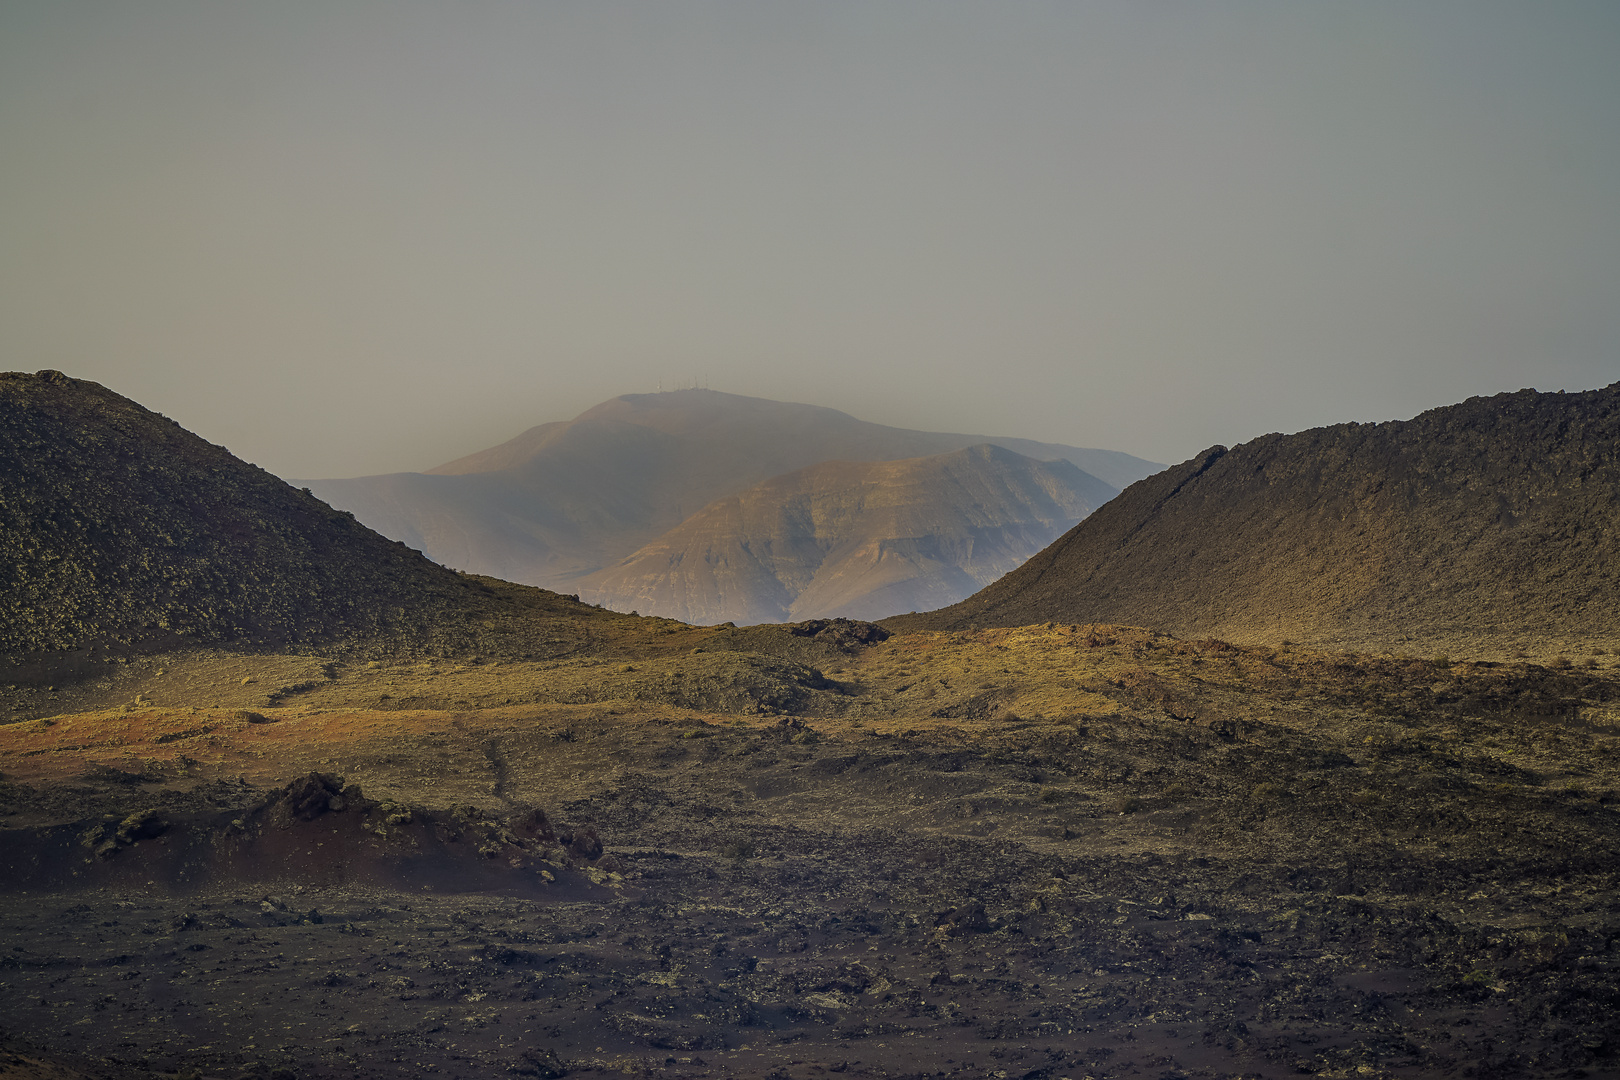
{"x":312,"y":795}
{"x":586,"y":844}
{"x":534,"y":825}
{"x":539,"y":1062}
{"x":141,"y":825}
{"x":846,"y":634}
{"x":966,"y":918}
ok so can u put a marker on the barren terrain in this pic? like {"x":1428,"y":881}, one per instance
{"x":854,"y":539}
{"x":280,"y":799}
{"x":1476,"y":529}
{"x":1038,"y":852}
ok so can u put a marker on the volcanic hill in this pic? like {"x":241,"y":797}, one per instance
{"x":121,"y":530}
{"x":564,"y":500}
{"x":1480,"y":527}
{"x":484,"y":830}
{"x":854,"y":539}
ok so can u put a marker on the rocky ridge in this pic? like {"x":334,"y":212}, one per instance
{"x":121,"y":530}
{"x":1487,"y":527}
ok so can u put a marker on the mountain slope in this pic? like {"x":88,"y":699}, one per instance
{"x":1496,"y":520}
{"x":722,"y":418}
{"x":853,"y":539}
{"x":564,"y":500}
{"x":119,"y":529}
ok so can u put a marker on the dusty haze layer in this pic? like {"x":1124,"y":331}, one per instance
{"x":564,"y":500}
{"x":354,"y":238}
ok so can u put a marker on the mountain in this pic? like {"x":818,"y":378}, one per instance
{"x":1493,"y":521}
{"x":714,"y":420}
{"x":853,"y":539}
{"x":119,"y":529}
{"x":564,"y":500}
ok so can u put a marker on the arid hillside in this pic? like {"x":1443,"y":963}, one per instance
{"x":458,"y":827}
{"x":1476,"y":529}
{"x":121,"y":530}
{"x":564,"y":500}
{"x":853,"y":539}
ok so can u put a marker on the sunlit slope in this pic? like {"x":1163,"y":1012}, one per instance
{"x":1485,"y":526}
{"x":564,"y":500}
{"x":853,"y":539}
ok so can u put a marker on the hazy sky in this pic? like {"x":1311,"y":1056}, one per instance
{"x":353,"y":237}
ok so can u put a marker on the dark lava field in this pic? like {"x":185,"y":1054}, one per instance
{"x":1054,"y":851}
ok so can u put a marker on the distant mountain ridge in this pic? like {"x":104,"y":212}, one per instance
{"x":853,"y":539}
{"x":1491,"y":524}
{"x":566,"y":500}
{"x":683,"y":413}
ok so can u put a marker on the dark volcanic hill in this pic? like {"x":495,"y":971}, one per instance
{"x":564,"y":500}
{"x":853,"y":539}
{"x":119,"y":528}
{"x":1493,"y":521}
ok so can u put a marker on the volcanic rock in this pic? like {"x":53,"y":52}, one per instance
{"x":846,"y":634}
{"x":120,"y":529}
{"x":312,"y":795}
{"x":1480,"y":526}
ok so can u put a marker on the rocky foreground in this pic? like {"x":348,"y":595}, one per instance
{"x":1052,"y":851}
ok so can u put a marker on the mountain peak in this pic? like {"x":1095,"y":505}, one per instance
{"x":564,"y":500}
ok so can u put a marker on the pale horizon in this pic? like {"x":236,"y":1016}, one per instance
{"x":357,"y":238}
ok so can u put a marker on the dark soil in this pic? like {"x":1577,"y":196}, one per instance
{"x":1230,"y":863}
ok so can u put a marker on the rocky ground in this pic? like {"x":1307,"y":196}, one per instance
{"x":1053,"y":851}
